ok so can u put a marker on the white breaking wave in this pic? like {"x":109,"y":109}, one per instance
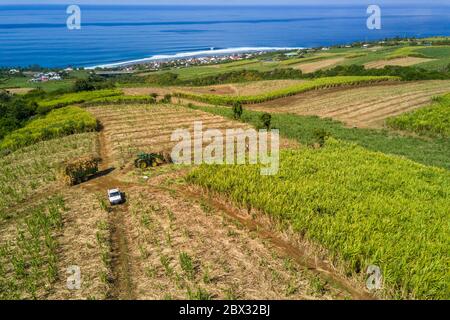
{"x":194,"y":54}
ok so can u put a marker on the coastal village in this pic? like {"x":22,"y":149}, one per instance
{"x":47,"y":76}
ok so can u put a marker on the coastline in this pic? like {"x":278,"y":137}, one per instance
{"x":193,"y":54}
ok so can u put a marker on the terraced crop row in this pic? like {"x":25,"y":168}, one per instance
{"x":57,"y":123}
{"x":315,"y":84}
{"x":361,"y":106}
{"x":78,"y":97}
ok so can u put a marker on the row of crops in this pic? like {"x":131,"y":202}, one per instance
{"x":28,"y":260}
{"x":74,"y":98}
{"x":433,"y":120}
{"x":57,"y":123}
{"x":315,"y":84}
{"x":366,"y":208}
{"x":140,"y":99}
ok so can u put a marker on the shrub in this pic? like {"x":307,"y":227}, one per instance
{"x":167,"y":98}
{"x":320,"y":136}
{"x":83,"y":85}
{"x":237,"y":110}
{"x":266,"y":120}
{"x":92,"y":83}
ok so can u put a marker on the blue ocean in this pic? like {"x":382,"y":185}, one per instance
{"x":37,"y":34}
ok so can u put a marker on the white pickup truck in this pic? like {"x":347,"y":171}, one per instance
{"x":115,"y":196}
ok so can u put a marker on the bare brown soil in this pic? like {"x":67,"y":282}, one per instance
{"x":19,"y":90}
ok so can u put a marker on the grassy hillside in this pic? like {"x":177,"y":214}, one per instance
{"x":365,"y":207}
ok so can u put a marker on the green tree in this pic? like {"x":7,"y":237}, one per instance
{"x":83,"y":85}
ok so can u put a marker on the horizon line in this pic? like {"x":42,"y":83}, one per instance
{"x":219,"y":5}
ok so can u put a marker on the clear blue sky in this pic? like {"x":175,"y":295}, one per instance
{"x":228,"y":2}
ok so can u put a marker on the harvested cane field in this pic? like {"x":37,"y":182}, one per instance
{"x":182,"y":247}
{"x":319,"y":65}
{"x":234,"y":89}
{"x":246,"y":88}
{"x":312,"y":85}
{"x":364,"y":107}
{"x":401,"y":62}
{"x":39,"y":245}
{"x":170,"y":242}
{"x":134,"y":128}
{"x":46,"y":227}
{"x":32,"y":171}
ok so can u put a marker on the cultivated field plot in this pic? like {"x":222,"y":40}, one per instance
{"x":31,"y":171}
{"x":318,"y":65}
{"x":44,"y":239}
{"x":364,"y":107}
{"x":365,"y":207}
{"x":183,"y":248}
{"x":401,"y":62}
{"x":19,"y":90}
{"x":131,"y":129}
{"x":45,"y":228}
{"x":234,"y":89}
{"x":148,"y":90}
{"x":246,"y":88}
